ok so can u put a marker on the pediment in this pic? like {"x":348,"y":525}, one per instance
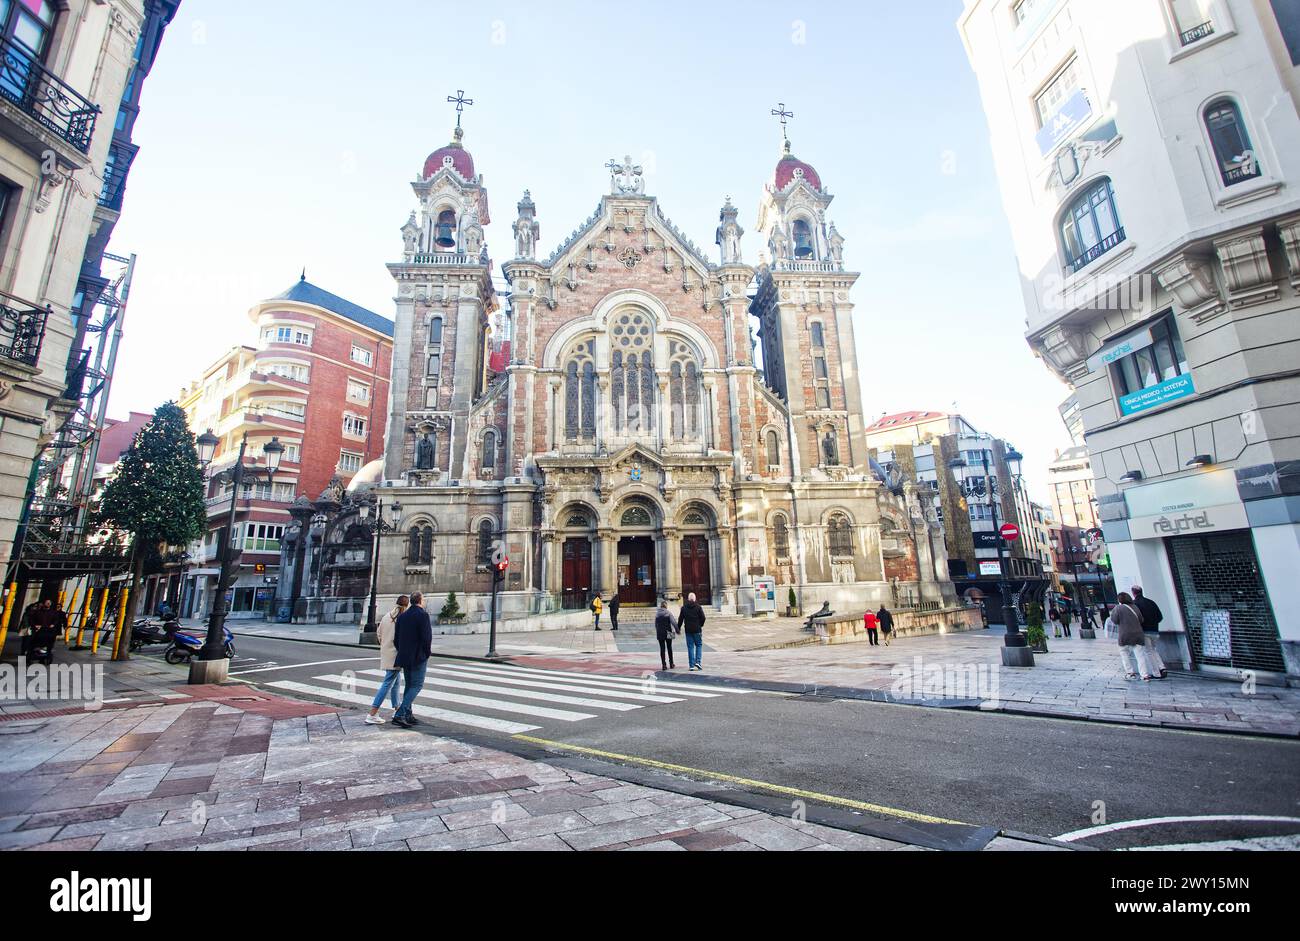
{"x":620,"y":220}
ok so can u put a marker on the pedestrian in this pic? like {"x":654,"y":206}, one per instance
{"x":1054,"y":613}
{"x":59,"y":622}
{"x":1151,"y":618}
{"x":886,"y":622}
{"x":1067,"y":614}
{"x":26,"y":626}
{"x":872,"y":625}
{"x":388,"y":661}
{"x":613,"y":611}
{"x":1132,"y":639}
{"x":413,"y":638}
{"x":1107,"y":625}
{"x":596,"y":607}
{"x":1087,"y":620}
{"x":691,"y":620}
{"x":664,"y":632}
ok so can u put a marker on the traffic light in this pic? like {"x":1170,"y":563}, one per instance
{"x":499,"y":569}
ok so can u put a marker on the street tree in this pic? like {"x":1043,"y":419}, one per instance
{"x":156,"y":495}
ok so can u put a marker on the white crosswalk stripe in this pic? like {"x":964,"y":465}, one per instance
{"x":511,"y":691}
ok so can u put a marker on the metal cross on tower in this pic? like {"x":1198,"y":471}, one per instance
{"x":779,"y":111}
{"x":460,"y":101}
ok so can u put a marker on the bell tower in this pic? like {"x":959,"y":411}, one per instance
{"x":806,"y":318}
{"x":445,"y":303}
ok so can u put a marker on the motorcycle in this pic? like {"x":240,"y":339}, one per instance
{"x":185,"y":646}
{"x":147,"y":633}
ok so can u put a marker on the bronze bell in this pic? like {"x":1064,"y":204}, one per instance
{"x":802,"y":239}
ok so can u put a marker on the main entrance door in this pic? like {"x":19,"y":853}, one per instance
{"x":577,"y":573}
{"x":636,"y":570}
{"x":695,"y":569}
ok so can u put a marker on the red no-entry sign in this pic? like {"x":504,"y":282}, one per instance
{"x":1010,"y":532}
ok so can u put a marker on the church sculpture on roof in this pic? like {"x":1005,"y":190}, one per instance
{"x":613,"y":428}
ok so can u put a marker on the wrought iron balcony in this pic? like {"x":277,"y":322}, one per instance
{"x":1189,"y":36}
{"x":21,"y":334}
{"x":25,"y":82}
{"x":1096,"y":251}
{"x":1246,"y":170}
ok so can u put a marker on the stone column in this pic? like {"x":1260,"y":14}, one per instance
{"x":551,"y":562}
{"x":662,"y":416}
{"x":709,"y":404}
{"x":603,"y":410}
{"x":557,"y":413}
{"x":608,"y":577}
{"x":672,"y":588}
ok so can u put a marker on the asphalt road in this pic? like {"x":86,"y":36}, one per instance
{"x":1039,"y":776}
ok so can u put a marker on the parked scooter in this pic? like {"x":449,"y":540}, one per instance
{"x":147,"y":633}
{"x":186,"y":646}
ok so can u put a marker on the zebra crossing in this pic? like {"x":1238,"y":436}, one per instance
{"x":508,"y":698}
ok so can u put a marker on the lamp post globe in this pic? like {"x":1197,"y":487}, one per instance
{"x":206,"y":444}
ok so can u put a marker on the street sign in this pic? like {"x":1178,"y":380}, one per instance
{"x":1010,"y":532}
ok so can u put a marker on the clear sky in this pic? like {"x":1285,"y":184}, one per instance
{"x":278,"y":136}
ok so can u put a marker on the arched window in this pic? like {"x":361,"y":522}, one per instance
{"x":435,"y":331}
{"x":773,"y":449}
{"x":420,"y":551}
{"x":780,"y":536}
{"x":1232,"y":151}
{"x":631,"y":342}
{"x":636,"y":516}
{"x":803,"y":244}
{"x":444,"y":235}
{"x":683,"y":391}
{"x":839,"y":536}
{"x":818,"y":336}
{"x":1090,"y":226}
{"x":489,"y":450}
{"x":486,"y":534}
{"x":580,"y":393}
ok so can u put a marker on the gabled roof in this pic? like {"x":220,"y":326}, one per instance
{"x":304,"y":292}
{"x":904,"y":418}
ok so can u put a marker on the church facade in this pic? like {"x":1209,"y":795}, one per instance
{"x":641,"y":416}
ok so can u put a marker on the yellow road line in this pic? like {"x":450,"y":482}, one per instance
{"x":745,"y":782}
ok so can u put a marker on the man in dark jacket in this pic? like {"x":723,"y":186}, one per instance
{"x":613,"y":611}
{"x":413,"y":637}
{"x":1151,"y":618}
{"x":691,"y":620}
{"x":886,"y":622}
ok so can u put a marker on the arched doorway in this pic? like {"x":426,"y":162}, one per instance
{"x":697,"y":575}
{"x":636,"y":575}
{"x":575,"y":559}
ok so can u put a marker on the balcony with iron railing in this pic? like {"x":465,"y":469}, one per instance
{"x":1096,"y":251}
{"x":22,"y":331}
{"x":1200,"y":31}
{"x":36,"y":91}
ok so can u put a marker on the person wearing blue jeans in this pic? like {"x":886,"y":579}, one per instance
{"x":413,"y":637}
{"x":387,"y":660}
{"x":691,"y":621}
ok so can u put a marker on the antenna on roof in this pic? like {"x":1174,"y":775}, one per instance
{"x":304,"y":274}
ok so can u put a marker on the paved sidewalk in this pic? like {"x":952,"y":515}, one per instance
{"x":158,"y":765}
{"x":1077,"y":679}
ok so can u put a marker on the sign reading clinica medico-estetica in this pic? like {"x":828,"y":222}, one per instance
{"x":1177,"y":387}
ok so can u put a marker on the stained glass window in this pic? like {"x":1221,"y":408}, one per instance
{"x":636,"y":516}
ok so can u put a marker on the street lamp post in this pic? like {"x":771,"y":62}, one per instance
{"x":1015,"y":650}
{"x":211,"y":665}
{"x":372,"y":515}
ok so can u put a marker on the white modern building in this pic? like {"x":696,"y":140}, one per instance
{"x":1148,"y":153}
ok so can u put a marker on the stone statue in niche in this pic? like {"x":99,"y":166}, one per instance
{"x":526,"y":228}
{"x":410,"y":235}
{"x":831,"y":448}
{"x":473,"y":235}
{"x":424,"y":456}
{"x":780,"y":244}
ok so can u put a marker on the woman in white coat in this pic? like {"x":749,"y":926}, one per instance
{"x":387,"y":661}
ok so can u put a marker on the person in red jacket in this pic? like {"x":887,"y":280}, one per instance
{"x":872,"y":624}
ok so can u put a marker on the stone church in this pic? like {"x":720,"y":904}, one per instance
{"x":639,"y":415}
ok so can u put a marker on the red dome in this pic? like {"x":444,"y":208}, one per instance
{"x":460,"y":159}
{"x":785,"y":172}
